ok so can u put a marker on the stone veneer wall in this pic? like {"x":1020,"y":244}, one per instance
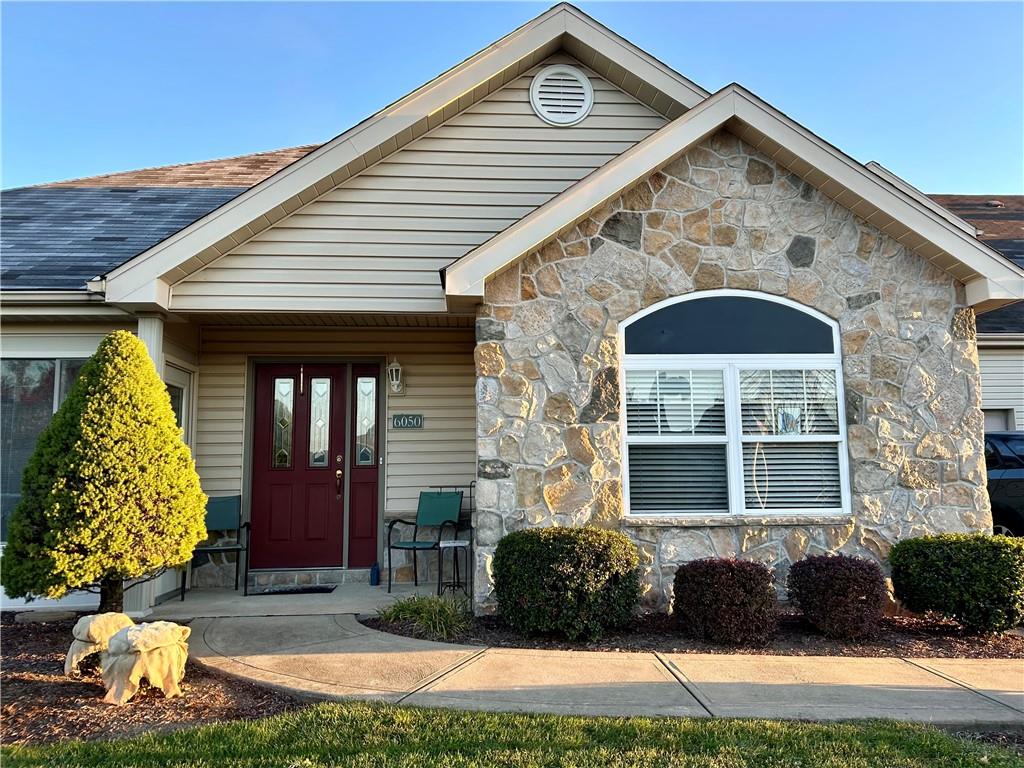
{"x":724,"y":215}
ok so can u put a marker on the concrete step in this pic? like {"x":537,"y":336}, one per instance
{"x":268,"y":580}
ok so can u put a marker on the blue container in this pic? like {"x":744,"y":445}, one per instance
{"x":375,"y":575}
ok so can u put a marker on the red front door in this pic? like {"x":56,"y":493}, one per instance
{"x":298,"y":466}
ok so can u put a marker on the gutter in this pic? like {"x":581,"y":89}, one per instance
{"x":31,"y":296}
{"x":990,"y":340}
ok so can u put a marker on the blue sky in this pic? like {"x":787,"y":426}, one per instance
{"x":933,"y":91}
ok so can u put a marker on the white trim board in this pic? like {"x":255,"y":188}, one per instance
{"x":990,"y":279}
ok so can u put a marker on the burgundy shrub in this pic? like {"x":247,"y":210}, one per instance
{"x":842,"y":596}
{"x":725,"y":601}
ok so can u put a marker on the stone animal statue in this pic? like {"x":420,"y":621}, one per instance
{"x":156,"y":651}
{"x":92,"y":635}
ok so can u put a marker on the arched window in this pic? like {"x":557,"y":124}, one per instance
{"x":733,"y":405}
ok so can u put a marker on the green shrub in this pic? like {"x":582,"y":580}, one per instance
{"x":976,"y":579}
{"x":111,"y":491}
{"x":574,"y":581}
{"x":725,"y":601}
{"x":433,"y":618}
{"x":842,"y":596}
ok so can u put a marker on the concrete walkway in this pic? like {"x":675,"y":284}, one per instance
{"x":347,"y":598}
{"x":335,"y":657}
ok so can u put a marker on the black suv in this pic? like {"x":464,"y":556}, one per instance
{"x":1004,"y":456}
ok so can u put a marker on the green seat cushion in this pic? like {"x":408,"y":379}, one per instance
{"x":413,"y":544}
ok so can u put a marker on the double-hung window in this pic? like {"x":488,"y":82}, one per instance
{"x":733,"y":405}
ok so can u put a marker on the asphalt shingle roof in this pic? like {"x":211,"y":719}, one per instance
{"x":241,"y":171}
{"x":57,"y":239}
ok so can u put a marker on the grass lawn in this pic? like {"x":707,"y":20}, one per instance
{"x":377,"y":735}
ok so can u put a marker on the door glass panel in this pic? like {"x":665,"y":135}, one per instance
{"x":366,"y":420}
{"x":284,"y":397}
{"x":319,"y":421}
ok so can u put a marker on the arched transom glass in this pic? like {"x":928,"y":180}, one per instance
{"x":733,"y":405}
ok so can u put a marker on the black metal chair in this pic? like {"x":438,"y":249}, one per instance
{"x":436,"y":509}
{"x":224,"y":513}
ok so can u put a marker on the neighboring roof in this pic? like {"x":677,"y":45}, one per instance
{"x":144,"y":280}
{"x":999,"y":219}
{"x":57,"y":239}
{"x":1000,"y":223}
{"x":242,"y":172}
{"x":990,"y":279}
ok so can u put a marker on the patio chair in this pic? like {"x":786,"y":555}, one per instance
{"x":438,"y":510}
{"x":224,"y":513}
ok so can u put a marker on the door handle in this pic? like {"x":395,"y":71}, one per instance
{"x":337,"y":482}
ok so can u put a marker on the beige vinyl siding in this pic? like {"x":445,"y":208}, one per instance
{"x":1002,"y":380}
{"x":377,"y":241}
{"x":42,"y":340}
{"x":181,"y":343}
{"x":438,"y":370}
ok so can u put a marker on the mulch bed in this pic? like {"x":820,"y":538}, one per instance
{"x":898,"y":636}
{"x":41,"y":705}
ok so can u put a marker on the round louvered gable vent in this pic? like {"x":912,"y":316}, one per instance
{"x":561,"y":95}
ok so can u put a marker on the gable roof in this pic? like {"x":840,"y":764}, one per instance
{"x":990,"y":279}
{"x":284,"y":180}
{"x":57,"y":236}
{"x":143,"y":281}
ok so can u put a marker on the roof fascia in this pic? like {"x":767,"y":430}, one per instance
{"x":993,"y":280}
{"x":921,"y":197}
{"x":48,"y":304}
{"x":594,"y":37}
{"x":986,"y":293}
{"x":44,"y":296}
{"x":961,"y":245}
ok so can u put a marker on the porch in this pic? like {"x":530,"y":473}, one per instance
{"x":294,"y":415}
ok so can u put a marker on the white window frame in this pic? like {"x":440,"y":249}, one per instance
{"x":734,"y":439}
{"x":183,"y":375}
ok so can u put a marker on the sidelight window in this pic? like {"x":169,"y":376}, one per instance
{"x":366,"y":421}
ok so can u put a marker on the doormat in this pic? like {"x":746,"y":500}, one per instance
{"x":321,"y":590}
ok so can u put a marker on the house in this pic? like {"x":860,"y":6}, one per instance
{"x":612,"y":296}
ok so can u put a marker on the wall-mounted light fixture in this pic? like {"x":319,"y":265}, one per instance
{"x":395,"y":377}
